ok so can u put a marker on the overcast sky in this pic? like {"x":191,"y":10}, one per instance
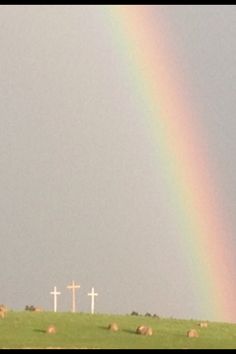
{"x":80,"y":197}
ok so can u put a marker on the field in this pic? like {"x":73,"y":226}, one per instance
{"x":27,"y":329}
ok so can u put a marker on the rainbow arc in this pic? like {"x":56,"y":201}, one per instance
{"x":181,"y":154}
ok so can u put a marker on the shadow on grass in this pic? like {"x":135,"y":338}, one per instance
{"x":40,"y":330}
{"x":104,"y":327}
{"x":130,"y":331}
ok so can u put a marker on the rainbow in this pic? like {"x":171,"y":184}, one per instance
{"x":181,"y":150}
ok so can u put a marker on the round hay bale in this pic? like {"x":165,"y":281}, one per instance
{"x":3,"y":307}
{"x":51,"y":329}
{"x":3,"y":311}
{"x":144,"y":330}
{"x":113,"y":327}
{"x":192,"y":333}
{"x":38,"y":309}
{"x":203,"y":324}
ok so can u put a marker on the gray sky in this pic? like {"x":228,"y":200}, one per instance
{"x":80,"y":197}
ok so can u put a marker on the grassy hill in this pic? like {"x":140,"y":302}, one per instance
{"x":28,"y":329}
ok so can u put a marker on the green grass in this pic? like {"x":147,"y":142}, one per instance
{"x":79,"y":330}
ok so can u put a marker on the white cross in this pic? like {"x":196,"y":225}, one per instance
{"x":92,"y":294}
{"x":73,"y":287}
{"x":55,"y":293}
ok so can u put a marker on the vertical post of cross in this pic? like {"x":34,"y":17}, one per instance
{"x":73,"y":287}
{"x":55,"y":293}
{"x":92,"y":294}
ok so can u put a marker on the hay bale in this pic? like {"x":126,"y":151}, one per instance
{"x":113,"y":327}
{"x":144,"y":330}
{"x":3,"y":307}
{"x":51,"y":329}
{"x":203,"y":324}
{"x":38,"y":309}
{"x":192,"y":333}
{"x":3,"y":311}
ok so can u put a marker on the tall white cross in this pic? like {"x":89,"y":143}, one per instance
{"x":55,"y":293}
{"x":92,"y":294}
{"x":73,"y":287}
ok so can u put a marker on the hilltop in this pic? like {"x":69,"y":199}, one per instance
{"x":25,"y":329}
